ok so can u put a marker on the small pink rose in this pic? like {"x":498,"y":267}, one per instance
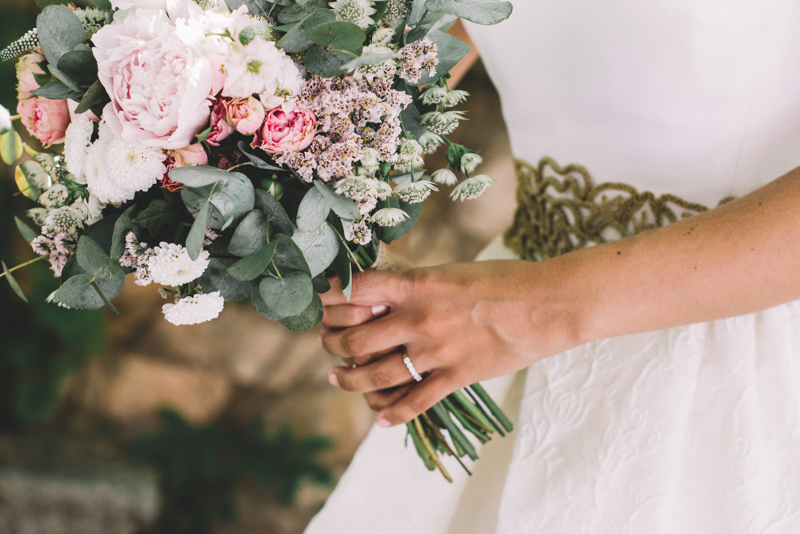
{"x":221,"y":129}
{"x":246,"y":115}
{"x":285,"y":131}
{"x":189,"y":156}
{"x":27,"y":66}
{"x":46,"y":120}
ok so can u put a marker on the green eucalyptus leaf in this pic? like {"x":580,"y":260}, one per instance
{"x":344,"y":270}
{"x":122,"y":227}
{"x":289,"y":295}
{"x":261,"y":306}
{"x":252,"y":266}
{"x":102,"y":233}
{"x":199,"y":176}
{"x":197,"y":234}
{"x":27,"y":232}
{"x":370,"y":59}
{"x":295,"y":40}
{"x":288,"y":256}
{"x":250,"y":235}
{"x":342,"y":206}
{"x":279,"y":221}
{"x":225,"y":206}
{"x":57,"y":90}
{"x":254,"y":7}
{"x":60,"y":30}
{"x":321,"y":284}
{"x":255,"y":160}
{"x":10,"y":147}
{"x":412,"y":121}
{"x":319,"y":247}
{"x":95,"y":96}
{"x":64,"y":78}
{"x":339,"y":34}
{"x":478,"y":11}
{"x":298,"y":12}
{"x":308,"y":318}
{"x":450,"y":50}
{"x":95,"y":260}
{"x":102,"y":4}
{"x":313,"y":211}
{"x":13,"y":283}
{"x":103,"y":297}
{"x":90,"y":299}
{"x":238,"y":187}
{"x":418,"y":11}
{"x":326,"y":63}
{"x":156,"y":215}
{"x":217,"y":278}
{"x":73,"y":289}
{"x":80,"y":65}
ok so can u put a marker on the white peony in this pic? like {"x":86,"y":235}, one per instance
{"x":160,"y":89}
{"x":259,"y":68}
{"x":170,"y":265}
{"x":195,"y":309}
{"x":76,"y":146}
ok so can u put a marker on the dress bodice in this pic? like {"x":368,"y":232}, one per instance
{"x":700,"y":98}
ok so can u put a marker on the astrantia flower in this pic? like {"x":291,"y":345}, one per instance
{"x":358,"y":188}
{"x":382,"y":190}
{"x":429,"y":142}
{"x":261,"y":68}
{"x":76,"y":146}
{"x":409,"y":156}
{"x":389,"y":216}
{"x":357,"y":232}
{"x":193,"y":310}
{"x":442,"y":123}
{"x":65,"y":219}
{"x":370,"y":160}
{"x":356,"y":11}
{"x":442,"y":95}
{"x":170,"y":265}
{"x":413,"y":192}
{"x":91,"y":208}
{"x":55,"y":197}
{"x":445,"y":177}
{"x":469,"y":162}
{"x":472,"y":187}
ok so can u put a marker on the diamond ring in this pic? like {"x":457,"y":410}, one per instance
{"x":411,"y":369}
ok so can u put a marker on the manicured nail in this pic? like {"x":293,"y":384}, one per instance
{"x":380,"y":309}
{"x":332,"y":379}
{"x":383,"y":422}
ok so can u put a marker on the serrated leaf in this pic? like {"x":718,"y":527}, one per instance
{"x":308,"y":318}
{"x":288,"y":295}
{"x":477,"y":11}
{"x":72,"y":289}
{"x":339,"y":34}
{"x":340,"y":204}
{"x":274,"y":213}
{"x":295,"y":40}
{"x":13,"y":283}
{"x":250,"y":235}
{"x":313,"y":211}
{"x":252,"y":266}
{"x":10,"y":147}
{"x":95,"y":96}
{"x":60,"y":30}
{"x":199,"y":176}
{"x":95,"y":260}
{"x":319,"y":247}
{"x":27,"y":232}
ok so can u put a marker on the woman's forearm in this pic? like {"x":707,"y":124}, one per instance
{"x":741,"y":257}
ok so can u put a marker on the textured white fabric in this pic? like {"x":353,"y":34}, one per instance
{"x":688,"y":430}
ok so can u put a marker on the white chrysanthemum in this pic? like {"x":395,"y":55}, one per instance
{"x":77,"y":141}
{"x":445,"y":177}
{"x":261,"y":68}
{"x":469,"y":162}
{"x":356,"y":11}
{"x":194,"y":310}
{"x":5,"y":120}
{"x":170,"y":265}
{"x":414,"y":192}
{"x":472,"y":187}
{"x":389,"y":216}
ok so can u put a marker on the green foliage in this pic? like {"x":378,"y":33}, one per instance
{"x":200,"y":467}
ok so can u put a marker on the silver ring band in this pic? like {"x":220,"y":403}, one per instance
{"x":411,"y":369}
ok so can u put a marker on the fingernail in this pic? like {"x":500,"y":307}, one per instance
{"x":380,"y":309}
{"x":332,"y":379}
{"x":383,"y":422}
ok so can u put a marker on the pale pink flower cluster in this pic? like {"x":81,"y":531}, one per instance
{"x":136,"y":256}
{"x":45,"y":119}
{"x":418,"y":56}
{"x":58,"y":246}
{"x":352,"y":115}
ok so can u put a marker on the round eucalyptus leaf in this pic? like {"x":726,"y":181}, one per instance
{"x":326,"y":63}
{"x":339,"y":35}
{"x":250,"y":235}
{"x":261,"y":306}
{"x":289,"y":295}
{"x":310,"y":316}
{"x":312,"y":212}
{"x":276,"y":216}
{"x":319,"y":247}
{"x":217,"y":278}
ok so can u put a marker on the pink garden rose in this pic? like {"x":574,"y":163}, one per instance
{"x":285,"y":131}
{"x":160,"y":90}
{"x":189,"y":156}
{"x":46,"y":120}
{"x":246,"y":115}
{"x":27,"y":66}
{"x":221,"y":128}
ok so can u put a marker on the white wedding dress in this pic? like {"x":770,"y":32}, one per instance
{"x":688,"y":430}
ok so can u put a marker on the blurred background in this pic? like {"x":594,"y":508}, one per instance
{"x":129,"y":425}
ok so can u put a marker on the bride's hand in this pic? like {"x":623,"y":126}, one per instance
{"x":458,"y":324}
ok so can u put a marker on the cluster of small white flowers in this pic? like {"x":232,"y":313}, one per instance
{"x":472,"y":187}
{"x":442,"y":123}
{"x":356,"y":11}
{"x":418,"y":56}
{"x":136,"y":256}
{"x":396,"y":10}
{"x":57,"y":246}
{"x":195,"y":309}
{"x":77,"y":141}
{"x":414,"y":192}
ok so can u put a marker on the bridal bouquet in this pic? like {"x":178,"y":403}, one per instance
{"x":240,"y":148}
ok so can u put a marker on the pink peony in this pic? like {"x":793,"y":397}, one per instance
{"x":160,"y":90}
{"x":246,"y":115}
{"x":189,"y":156}
{"x":221,"y":128}
{"x":27,"y":66}
{"x":286,"y":131}
{"x":46,"y":120}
